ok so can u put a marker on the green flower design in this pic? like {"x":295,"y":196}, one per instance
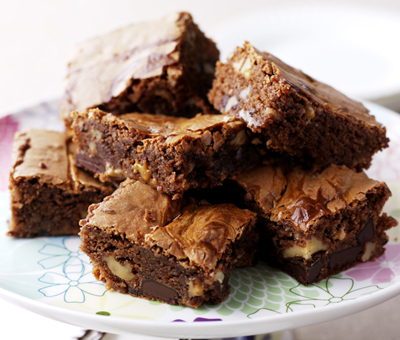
{"x":334,"y":290}
{"x":252,"y":290}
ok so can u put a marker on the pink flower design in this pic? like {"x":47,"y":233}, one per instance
{"x":7,"y":129}
{"x":384,"y":269}
{"x":385,"y":165}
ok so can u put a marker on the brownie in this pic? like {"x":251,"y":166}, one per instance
{"x":163,"y":66}
{"x":315,"y":225}
{"x":172,"y":154}
{"x":49,"y":194}
{"x":143,"y":243}
{"x":295,"y":114}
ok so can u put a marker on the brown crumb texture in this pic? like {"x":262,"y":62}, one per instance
{"x":322,"y":265}
{"x":147,"y":265}
{"x":315,"y":225}
{"x":185,"y":262}
{"x":163,"y":67}
{"x":48,"y":194}
{"x":295,"y":114}
{"x":171,"y":154}
{"x":331,"y":206}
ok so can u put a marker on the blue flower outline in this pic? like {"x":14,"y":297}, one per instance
{"x":65,"y":255}
{"x":73,"y":285}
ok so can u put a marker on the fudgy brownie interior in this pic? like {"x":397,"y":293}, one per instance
{"x":165,"y":66}
{"x":49,"y":195}
{"x":295,"y":114}
{"x":184,"y":259}
{"x":169,"y":153}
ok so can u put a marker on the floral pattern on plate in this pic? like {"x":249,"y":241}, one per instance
{"x":383,"y":270}
{"x":74,"y":280}
{"x":65,"y":279}
{"x":53,"y":271}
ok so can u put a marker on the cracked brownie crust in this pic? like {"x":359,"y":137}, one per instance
{"x":313,"y":226}
{"x":49,"y":195}
{"x":184,"y":259}
{"x":164,"y":67}
{"x":295,"y":114}
{"x":169,"y":153}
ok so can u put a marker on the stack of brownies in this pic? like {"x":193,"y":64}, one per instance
{"x":214,"y":167}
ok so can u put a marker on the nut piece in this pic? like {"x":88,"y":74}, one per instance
{"x":122,"y":271}
{"x":312,"y":246}
{"x":195,"y":287}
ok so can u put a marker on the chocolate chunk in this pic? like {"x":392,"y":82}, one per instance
{"x":309,"y":275}
{"x":314,"y":271}
{"x":367,"y":233}
{"x":92,"y":165}
{"x":159,"y":291}
{"x":350,"y":254}
{"x":344,"y":256}
{"x":298,"y":271}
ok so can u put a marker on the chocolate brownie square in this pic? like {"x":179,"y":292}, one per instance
{"x":315,"y":225}
{"x":143,"y":243}
{"x":295,"y":114}
{"x":172,"y":154}
{"x":49,"y":195}
{"x":165,"y":66}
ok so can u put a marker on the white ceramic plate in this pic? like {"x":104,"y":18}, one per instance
{"x":52,"y":277}
{"x":351,"y":48}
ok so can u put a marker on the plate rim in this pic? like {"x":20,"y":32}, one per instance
{"x":214,"y":329}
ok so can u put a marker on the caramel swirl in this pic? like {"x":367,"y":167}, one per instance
{"x":309,"y":196}
{"x":202,"y":235}
{"x":134,"y":210}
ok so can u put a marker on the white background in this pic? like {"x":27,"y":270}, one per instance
{"x":36,"y":35}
